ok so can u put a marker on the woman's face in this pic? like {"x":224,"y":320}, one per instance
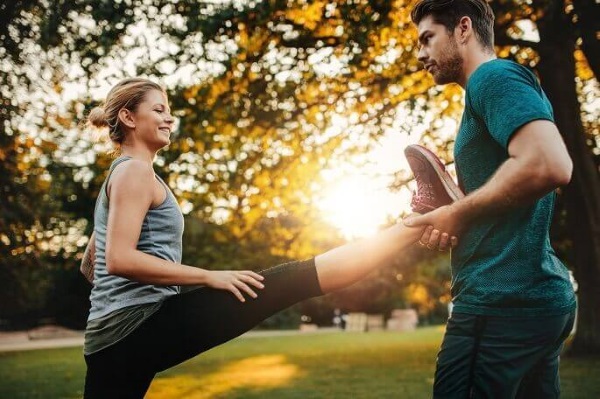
{"x":153,"y":120}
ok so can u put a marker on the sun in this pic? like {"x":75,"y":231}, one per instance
{"x":356,"y":197}
{"x":359,"y":205}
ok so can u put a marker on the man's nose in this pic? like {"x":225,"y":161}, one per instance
{"x":422,"y":55}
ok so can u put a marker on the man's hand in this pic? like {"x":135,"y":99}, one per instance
{"x":444,"y":228}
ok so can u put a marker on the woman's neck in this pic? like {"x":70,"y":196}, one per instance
{"x":142,"y":154}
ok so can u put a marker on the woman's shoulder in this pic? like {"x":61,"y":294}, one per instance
{"x":133,"y":173}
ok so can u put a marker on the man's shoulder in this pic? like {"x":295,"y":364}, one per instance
{"x":499,"y":71}
{"x":498,"y":66}
{"x":498,"y":77}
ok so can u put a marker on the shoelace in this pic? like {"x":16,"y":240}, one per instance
{"x":424,"y":194}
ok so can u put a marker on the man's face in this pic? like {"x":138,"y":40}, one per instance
{"x":438,"y":51}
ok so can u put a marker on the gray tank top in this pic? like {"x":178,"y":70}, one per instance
{"x":161,"y":236}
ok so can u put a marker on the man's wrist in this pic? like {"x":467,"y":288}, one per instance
{"x":463,"y":211}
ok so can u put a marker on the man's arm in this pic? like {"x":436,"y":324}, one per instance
{"x":538,"y":163}
{"x":87,"y":262}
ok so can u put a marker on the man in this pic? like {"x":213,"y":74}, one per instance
{"x":513,"y":302}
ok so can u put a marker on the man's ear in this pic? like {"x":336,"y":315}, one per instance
{"x":464,"y":29}
{"x":126,"y":118}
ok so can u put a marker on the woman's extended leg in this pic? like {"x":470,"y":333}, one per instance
{"x":193,"y":322}
{"x":345,"y":265}
{"x":207,"y":317}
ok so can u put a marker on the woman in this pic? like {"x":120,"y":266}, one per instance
{"x":139,"y":322}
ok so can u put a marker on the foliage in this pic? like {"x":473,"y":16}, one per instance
{"x":267,"y":93}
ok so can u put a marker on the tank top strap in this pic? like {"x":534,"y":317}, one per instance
{"x":103,"y":190}
{"x":160,"y":180}
{"x":117,"y":161}
{"x":114,"y":164}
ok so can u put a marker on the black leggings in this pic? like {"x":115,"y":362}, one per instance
{"x":189,"y":324}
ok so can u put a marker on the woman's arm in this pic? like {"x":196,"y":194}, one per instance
{"x":131,"y":195}
{"x":87,"y":262}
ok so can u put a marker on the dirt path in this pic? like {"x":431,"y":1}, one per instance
{"x":57,"y":337}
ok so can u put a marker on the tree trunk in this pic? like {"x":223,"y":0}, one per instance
{"x":582,"y":195}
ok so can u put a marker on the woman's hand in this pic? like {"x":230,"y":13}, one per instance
{"x":89,"y":258}
{"x":443,"y":227}
{"x":235,"y":281}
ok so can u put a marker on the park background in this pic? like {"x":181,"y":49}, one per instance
{"x":292,"y":117}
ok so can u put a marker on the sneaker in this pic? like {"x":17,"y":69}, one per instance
{"x":435,"y":187}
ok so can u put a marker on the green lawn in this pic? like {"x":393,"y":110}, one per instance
{"x":337,"y":365}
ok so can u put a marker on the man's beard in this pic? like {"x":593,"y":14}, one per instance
{"x":450,"y":66}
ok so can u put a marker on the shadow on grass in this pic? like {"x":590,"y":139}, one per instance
{"x":255,"y":373}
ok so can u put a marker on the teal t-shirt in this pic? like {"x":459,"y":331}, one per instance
{"x":504,"y":265}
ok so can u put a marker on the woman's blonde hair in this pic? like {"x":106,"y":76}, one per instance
{"x":128,"y":94}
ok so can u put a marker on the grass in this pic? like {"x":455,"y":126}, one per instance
{"x":337,"y":365}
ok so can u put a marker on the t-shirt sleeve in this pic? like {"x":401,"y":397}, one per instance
{"x":506,"y":99}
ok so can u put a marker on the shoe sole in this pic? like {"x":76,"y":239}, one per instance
{"x":453,"y":191}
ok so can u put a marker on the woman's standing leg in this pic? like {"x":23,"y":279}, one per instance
{"x":117,"y":372}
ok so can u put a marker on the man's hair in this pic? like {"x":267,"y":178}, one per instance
{"x":449,"y":13}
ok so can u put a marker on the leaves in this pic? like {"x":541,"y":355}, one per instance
{"x":268,"y":94}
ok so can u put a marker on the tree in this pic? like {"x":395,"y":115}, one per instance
{"x":21,"y":181}
{"x":568,"y":55}
{"x":269,"y":93}
{"x":373,"y":42}
{"x":37,"y":200}
{"x":582,"y":196}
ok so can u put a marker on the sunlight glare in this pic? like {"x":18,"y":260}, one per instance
{"x":358,"y":199}
{"x":350,"y":206}
{"x":358,"y":206}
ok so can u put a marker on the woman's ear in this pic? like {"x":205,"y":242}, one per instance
{"x":126,"y":118}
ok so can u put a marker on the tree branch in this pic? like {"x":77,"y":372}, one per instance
{"x":502,"y":39}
